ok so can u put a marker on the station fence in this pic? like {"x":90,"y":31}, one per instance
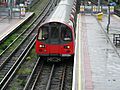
{"x":12,"y":12}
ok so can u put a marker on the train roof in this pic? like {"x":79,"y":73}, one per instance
{"x":61,"y":13}
{"x":66,"y":2}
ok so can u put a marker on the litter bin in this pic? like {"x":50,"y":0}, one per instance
{"x":99,"y":16}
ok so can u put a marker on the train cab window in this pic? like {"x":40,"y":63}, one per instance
{"x":43,"y":33}
{"x":66,"y":34}
{"x":54,"y":32}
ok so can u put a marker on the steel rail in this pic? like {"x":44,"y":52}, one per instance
{"x":34,"y":37}
{"x":36,"y":79}
{"x":49,"y":80}
{"x":16,"y":63}
{"x":50,"y":77}
{"x":31,"y":76}
{"x":15,"y":50}
{"x":55,"y":76}
{"x":10,"y":69}
{"x":41,"y":72}
{"x":63,"y":78}
{"x":27,"y":29}
{"x":6,"y":60}
{"x":16,"y":66}
{"x":57,"y":73}
{"x":33,"y":4}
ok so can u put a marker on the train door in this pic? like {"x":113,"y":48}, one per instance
{"x":54,"y":39}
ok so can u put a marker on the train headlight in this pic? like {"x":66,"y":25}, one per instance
{"x":67,"y":47}
{"x":42,"y":46}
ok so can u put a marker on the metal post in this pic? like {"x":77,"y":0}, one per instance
{"x":10,"y":8}
{"x":98,"y":5}
{"x":108,"y":25}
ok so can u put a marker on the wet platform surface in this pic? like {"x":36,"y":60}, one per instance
{"x":8,"y":25}
{"x":100,"y":62}
{"x":114,"y":26}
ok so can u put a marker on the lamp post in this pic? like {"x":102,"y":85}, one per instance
{"x":108,"y":25}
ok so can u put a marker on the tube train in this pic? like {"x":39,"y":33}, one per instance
{"x":56,"y":35}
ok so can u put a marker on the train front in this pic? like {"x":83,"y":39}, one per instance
{"x":55,"y":40}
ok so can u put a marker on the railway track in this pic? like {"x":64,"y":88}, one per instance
{"x":10,"y":62}
{"x":50,"y":76}
{"x":20,"y":36}
{"x":16,"y":35}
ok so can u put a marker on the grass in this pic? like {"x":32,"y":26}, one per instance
{"x":28,"y":64}
{"x":24,"y":72}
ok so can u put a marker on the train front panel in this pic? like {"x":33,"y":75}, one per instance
{"x":55,"y":39}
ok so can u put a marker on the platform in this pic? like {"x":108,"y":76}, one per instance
{"x":9,"y":25}
{"x":114,"y":26}
{"x":99,"y":63}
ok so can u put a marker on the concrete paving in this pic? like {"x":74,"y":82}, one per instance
{"x":101,"y":64}
{"x":77,"y":74}
{"x":114,"y":26}
{"x":8,"y":25}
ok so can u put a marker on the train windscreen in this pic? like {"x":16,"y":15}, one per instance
{"x":55,"y":33}
{"x":66,"y":34}
{"x":43,"y":33}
